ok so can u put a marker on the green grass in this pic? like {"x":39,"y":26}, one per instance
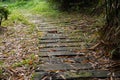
{"x":44,"y":8}
{"x":18,"y":9}
{"x":36,"y":7}
{"x":41,"y":7}
{"x":16,"y":17}
{"x":27,"y":62}
{"x":21,"y":63}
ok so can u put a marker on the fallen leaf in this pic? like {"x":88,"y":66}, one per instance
{"x":30,"y":62}
{"x":93,"y":47}
{"x":53,"y":31}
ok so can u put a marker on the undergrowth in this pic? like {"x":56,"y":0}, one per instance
{"x":19,"y":8}
{"x":15,"y":18}
{"x":44,"y":9}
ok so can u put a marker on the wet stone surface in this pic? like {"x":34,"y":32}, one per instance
{"x":60,"y":59}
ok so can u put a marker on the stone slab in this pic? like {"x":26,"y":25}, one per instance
{"x":79,"y":75}
{"x":63,"y":53}
{"x":59,"y":40}
{"x":43,"y":49}
{"x":43,"y":38}
{"x":60,"y":60}
{"x":55,"y":36}
{"x":64,"y":66}
{"x":87,"y":74}
{"x":58,"y":45}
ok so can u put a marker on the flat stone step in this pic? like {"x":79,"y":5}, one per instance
{"x":87,"y":74}
{"x":50,"y":31}
{"x":59,"y":40}
{"x":63,"y":53}
{"x":64,"y":66}
{"x":55,"y":36}
{"x":43,"y":38}
{"x":57,"y":45}
{"x":60,"y":60}
{"x":48,"y":28}
{"x":54,"y":49}
{"x":75,"y":75}
{"x":59,"y":49}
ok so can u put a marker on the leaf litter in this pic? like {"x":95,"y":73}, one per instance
{"x":19,"y":47}
{"x":18,"y":52}
{"x":85,"y":28}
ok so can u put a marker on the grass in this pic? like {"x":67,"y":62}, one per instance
{"x":18,"y":9}
{"x":41,"y":7}
{"x":21,"y":63}
{"x":26,"y":62}
{"x":35,"y":7}
{"x":16,"y":17}
{"x":44,"y":9}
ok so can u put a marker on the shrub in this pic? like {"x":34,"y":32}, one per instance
{"x":3,"y":14}
{"x":66,"y":5}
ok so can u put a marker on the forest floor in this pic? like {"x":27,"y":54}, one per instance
{"x":19,"y":51}
{"x":20,"y":44}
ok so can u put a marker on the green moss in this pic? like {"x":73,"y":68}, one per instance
{"x":1,"y":72}
{"x":44,"y":9}
{"x":1,"y":63}
{"x":21,"y":63}
{"x":29,"y":61}
{"x":85,"y":74}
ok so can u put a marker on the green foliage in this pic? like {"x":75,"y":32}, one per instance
{"x":110,"y":32}
{"x":100,"y":8}
{"x":3,"y":14}
{"x":1,"y":72}
{"x":33,"y":6}
{"x":18,"y":4}
{"x":26,"y":62}
{"x":21,"y":63}
{"x":16,"y":17}
{"x":112,"y":23}
{"x":67,"y":5}
{"x":12,"y":0}
{"x":42,"y":8}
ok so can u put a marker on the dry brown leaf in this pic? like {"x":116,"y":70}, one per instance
{"x":69,"y":61}
{"x":30,"y":62}
{"x":85,"y":61}
{"x":12,"y":70}
{"x":53,"y":31}
{"x":96,"y":45}
{"x":81,"y":51}
{"x":52,"y":50}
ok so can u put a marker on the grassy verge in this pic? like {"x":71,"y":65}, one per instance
{"x":19,"y":9}
{"x":44,"y":9}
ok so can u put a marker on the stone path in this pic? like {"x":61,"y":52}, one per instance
{"x":59,"y":59}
